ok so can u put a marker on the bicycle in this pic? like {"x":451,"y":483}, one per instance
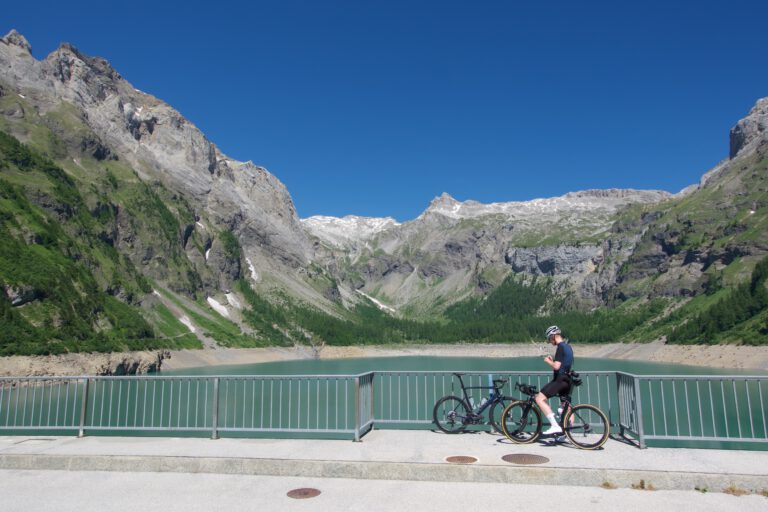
{"x":585,"y":425}
{"x":453,"y":414}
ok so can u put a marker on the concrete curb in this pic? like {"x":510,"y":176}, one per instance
{"x":370,"y":470}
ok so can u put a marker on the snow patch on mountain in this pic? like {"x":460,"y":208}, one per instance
{"x":379,"y":304}
{"x":585,"y":201}
{"x":218,"y":307}
{"x":347,"y":230}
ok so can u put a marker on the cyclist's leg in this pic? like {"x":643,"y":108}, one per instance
{"x":565,"y":405}
{"x":554,"y":388}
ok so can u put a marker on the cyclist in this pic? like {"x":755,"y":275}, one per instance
{"x":561,"y":381}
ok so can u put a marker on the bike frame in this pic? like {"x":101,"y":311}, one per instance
{"x":497,"y":395}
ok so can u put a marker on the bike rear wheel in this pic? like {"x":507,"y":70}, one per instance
{"x":451,"y":414}
{"x":521,"y":422}
{"x":586,"y":426}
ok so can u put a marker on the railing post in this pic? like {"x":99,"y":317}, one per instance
{"x":639,"y":413}
{"x":84,"y":408}
{"x":371,"y":404}
{"x":215,"y":420}
{"x":357,"y":409}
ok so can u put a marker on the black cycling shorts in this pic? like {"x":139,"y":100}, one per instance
{"x":560,"y":386}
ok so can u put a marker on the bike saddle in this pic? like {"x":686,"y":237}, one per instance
{"x":527,"y":388}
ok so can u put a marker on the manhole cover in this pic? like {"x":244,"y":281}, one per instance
{"x":461,"y":459}
{"x":303,"y":493}
{"x":524,"y":458}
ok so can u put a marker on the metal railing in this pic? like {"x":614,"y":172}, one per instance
{"x":720,"y":408}
{"x":317,"y":404}
{"x":726,"y":409}
{"x":629,"y":407}
{"x":407,"y":399}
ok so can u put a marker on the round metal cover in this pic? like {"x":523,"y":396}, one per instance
{"x":524,"y":458}
{"x":303,"y":493}
{"x":461,"y":459}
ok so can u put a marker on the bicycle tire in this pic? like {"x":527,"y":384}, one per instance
{"x":494,"y":417}
{"x":521,"y":422}
{"x":449,"y":414}
{"x":590,"y":429}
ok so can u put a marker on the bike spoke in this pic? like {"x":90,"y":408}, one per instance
{"x":521,"y":423}
{"x":451,"y":415}
{"x":587,"y":427}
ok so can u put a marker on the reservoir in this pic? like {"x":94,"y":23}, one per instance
{"x":430,"y":363}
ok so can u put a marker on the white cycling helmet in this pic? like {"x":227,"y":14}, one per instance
{"x":552,"y":329}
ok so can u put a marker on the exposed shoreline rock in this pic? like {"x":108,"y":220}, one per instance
{"x":118,"y":363}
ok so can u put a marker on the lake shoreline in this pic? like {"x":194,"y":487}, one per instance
{"x":717,"y":356}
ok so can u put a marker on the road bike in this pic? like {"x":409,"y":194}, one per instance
{"x":453,"y":414}
{"x":585,"y":425}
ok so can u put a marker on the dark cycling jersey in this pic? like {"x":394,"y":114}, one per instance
{"x":564,"y":354}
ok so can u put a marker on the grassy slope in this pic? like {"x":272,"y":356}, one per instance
{"x":59,"y":223}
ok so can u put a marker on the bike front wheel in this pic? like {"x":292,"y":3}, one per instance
{"x":451,"y":414}
{"x":521,"y":422}
{"x":586,"y":426}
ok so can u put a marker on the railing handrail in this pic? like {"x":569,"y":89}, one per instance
{"x":688,"y":377}
{"x":377,"y":372}
{"x":168,"y":377}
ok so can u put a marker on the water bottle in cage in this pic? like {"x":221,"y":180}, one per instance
{"x":490,"y":386}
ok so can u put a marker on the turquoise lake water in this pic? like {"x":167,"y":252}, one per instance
{"x":429,"y":363}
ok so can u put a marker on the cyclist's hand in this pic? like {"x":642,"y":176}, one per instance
{"x":548,"y":359}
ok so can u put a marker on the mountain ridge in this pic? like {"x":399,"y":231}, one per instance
{"x":157,"y":222}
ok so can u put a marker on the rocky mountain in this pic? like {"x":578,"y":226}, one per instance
{"x":174,"y":209}
{"x":97,"y":118}
{"x":349,"y":232}
{"x":125,"y":227}
{"x":454,"y":249}
{"x":597,"y":246}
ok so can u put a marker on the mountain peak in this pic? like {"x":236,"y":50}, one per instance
{"x":751,"y":129}
{"x":15,"y":38}
{"x":443,"y":201}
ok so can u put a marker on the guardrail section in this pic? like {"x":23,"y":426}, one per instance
{"x":703,"y":408}
{"x":407,"y":399}
{"x":327,"y":404}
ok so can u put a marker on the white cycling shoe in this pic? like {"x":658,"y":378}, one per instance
{"x":553,"y":430}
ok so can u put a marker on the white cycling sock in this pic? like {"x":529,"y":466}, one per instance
{"x":551,"y":419}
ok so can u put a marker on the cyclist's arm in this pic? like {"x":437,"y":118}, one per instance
{"x":557,"y":362}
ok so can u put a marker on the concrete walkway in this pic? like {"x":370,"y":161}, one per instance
{"x":399,"y":455}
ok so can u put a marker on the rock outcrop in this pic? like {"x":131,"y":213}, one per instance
{"x":750,"y":131}
{"x":160,"y":145}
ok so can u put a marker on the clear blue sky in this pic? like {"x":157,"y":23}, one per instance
{"x":375,"y":107}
